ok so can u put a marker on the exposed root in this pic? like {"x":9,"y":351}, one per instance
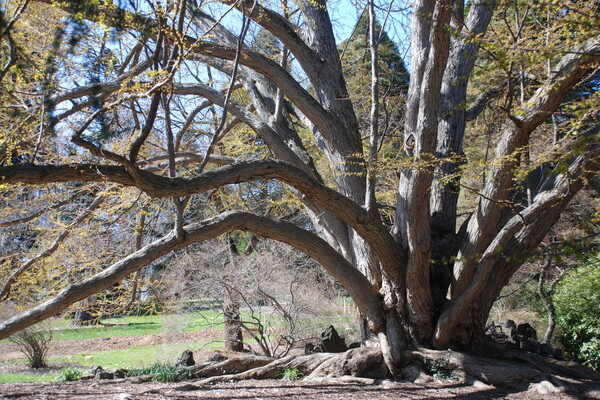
{"x":367,"y":366}
{"x":512,"y":368}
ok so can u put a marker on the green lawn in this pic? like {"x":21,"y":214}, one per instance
{"x":142,"y":356}
{"x":137,"y":356}
{"x":28,"y":377}
{"x":138,"y":325}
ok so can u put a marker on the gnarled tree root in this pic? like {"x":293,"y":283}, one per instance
{"x":512,"y":369}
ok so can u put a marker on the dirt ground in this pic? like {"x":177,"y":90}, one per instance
{"x":277,"y":389}
{"x":254,"y":389}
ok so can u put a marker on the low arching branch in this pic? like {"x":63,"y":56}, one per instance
{"x":370,"y":229}
{"x":365,"y":295}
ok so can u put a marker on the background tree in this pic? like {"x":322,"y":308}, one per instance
{"x":429,"y":276}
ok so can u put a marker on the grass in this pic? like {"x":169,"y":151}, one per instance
{"x":28,"y":377}
{"x":136,"y":325}
{"x":144,"y":356}
{"x":133,"y":356}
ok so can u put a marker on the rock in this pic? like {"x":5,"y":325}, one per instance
{"x":546,"y":350}
{"x":480,"y":385}
{"x":545,"y":388}
{"x":558,"y":354}
{"x":186,"y":359}
{"x":424,"y":378}
{"x":526,"y":331}
{"x":331,"y":342}
{"x":510,"y":324}
{"x":123,"y":396}
{"x":355,"y":345}
{"x":530,"y":345}
{"x":309,"y":348}
{"x":95,"y":368}
{"x":411,"y":372}
{"x":105,"y":375}
{"x":121,"y":373}
{"x":218,"y":357}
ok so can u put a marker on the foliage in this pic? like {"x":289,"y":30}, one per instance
{"x":577,"y":302}
{"x":440,"y":368}
{"x":34,"y":344}
{"x":163,"y":372}
{"x":291,"y":374}
{"x":68,"y":374}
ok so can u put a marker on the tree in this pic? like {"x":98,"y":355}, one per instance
{"x":428,"y":277}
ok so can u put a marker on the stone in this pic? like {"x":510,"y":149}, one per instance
{"x":411,"y":372}
{"x":530,"y":345}
{"x":121,"y":373}
{"x":186,"y":359}
{"x":355,"y":345}
{"x":558,"y":354}
{"x":309,"y":348}
{"x":102,"y":375}
{"x":526,"y":331}
{"x":331,"y":342}
{"x":218,"y":357}
{"x":546,"y":350}
{"x":95,"y":371}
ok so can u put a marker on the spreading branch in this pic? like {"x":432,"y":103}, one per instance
{"x":365,"y":295}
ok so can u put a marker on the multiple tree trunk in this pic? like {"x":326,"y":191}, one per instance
{"x":423,"y":281}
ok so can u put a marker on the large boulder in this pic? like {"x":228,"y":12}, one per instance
{"x":526,"y":331}
{"x":186,"y":359}
{"x":331,"y":342}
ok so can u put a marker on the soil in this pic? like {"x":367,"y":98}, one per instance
{"x":324,"y":388}
{"x":276,"y":389}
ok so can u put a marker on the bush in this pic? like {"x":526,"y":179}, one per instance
{"x":163,"y":372}
{"x":291,"y":374}
{"x":577,"y":303}
{"x":440,"y":368}
{"x":34,"y":344}
{"x":68,"y":374}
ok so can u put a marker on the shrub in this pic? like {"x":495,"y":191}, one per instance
{"x":440,"y":368}
{"x":68,"y":374}
{"x":291,"y":374}
{"x":577,"y":303}
{"x":163,"y":372}
{"x":34,"y":344}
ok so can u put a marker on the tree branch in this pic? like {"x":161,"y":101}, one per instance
{"x":365,"y":295}
{"x":482,"y":230}
{"x":154,"y":185}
